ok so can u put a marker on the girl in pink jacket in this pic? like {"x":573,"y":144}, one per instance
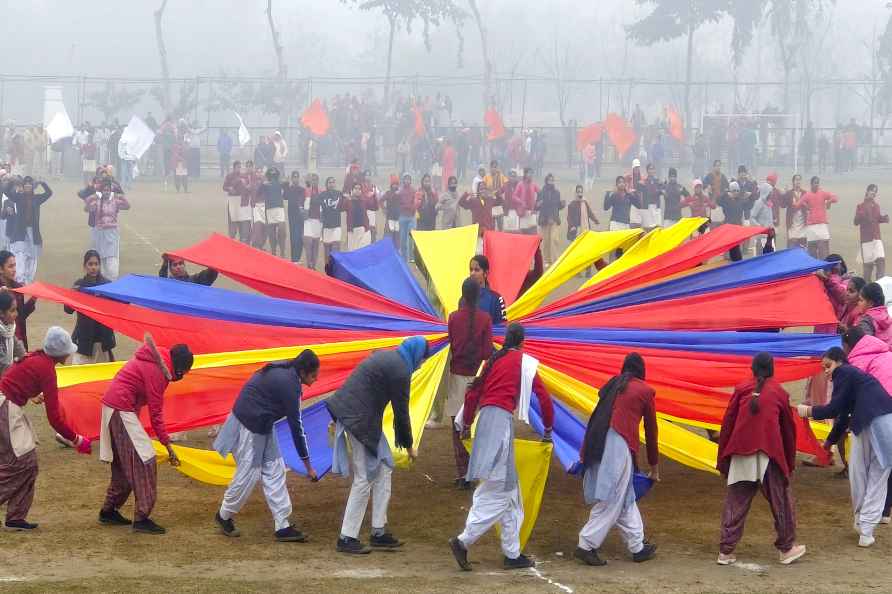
{"x":875,"y":319}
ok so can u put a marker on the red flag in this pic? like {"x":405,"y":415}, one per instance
{"x":315,"y":118}
{"x":621,"y":133}
{"x":494,"y":121}
{"x":676,"y":127}
{"x":591,"y":134}
{"x":419,"y":122}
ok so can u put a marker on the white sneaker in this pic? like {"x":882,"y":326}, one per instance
{"x":793,"y":554}
{"x":866,"y":541}
{"x":724,"y":559}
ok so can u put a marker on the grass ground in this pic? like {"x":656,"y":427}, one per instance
{"x":72,"y":553}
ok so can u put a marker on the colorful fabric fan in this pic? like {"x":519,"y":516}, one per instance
{"x":697,"y":324}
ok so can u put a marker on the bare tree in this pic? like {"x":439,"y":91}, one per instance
{"x":279,"y":93}
{"x":402,"y":13}
{"x":162,"y":55}
{"x":113,"y":99}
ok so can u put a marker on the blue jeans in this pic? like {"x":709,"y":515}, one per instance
{"x":407,"y":246}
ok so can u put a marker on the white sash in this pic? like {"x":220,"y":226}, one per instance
{"x":138,"y":436}
{"x":21,"y":433}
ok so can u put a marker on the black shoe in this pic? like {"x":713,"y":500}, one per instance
{"x":646,"y":554}
{"x":228,"y":526}
{"x":147,"y":526}
{"x":113,"y":518}
{"x":589,"y":557}
{"x":385,"y":541}
{"x":352,"y":546}
{"x":522,"y":562}
{"x":20,"y":525}
{"x":462,"y":485}
{"x":460,"y":553}
{"x":289,"y":534}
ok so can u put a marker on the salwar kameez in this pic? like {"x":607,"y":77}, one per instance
{"x":18,"y":461}
{"x":870,"y":462}
{"x":607,"y":486}
{"x":257,"y":458}
{"x":497,"y":497}
{"x":124,"y":443}
{"x":371,"y":478}
{"x":27,"y":254}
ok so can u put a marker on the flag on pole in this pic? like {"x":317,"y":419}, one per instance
{"x":244,"y":137}
{"x":676,"y":126}
{"x":315,"y":118}
{"x":494,"y":121}
{"x":621,"y":133}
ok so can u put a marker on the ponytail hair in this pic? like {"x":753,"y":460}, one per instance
{"x":835,"y":354}
{"x":763,"y":368}
{"x":514,"y":335}
{"x":470,"y":294}
{"x":305,"y":363}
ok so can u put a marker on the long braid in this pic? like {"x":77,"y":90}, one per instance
{"x":763,"y":368}
{"x":470,"y":296}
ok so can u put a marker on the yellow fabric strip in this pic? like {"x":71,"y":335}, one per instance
{"x":657,"y":242}
{"x":205,"y":466}
{"x":72,"y":375}
{"x":579,"y":255}
{"x":675,"y":442}
{"x":425,"y":382}
{"x":446,"y":255}
{"x":532,"y":459}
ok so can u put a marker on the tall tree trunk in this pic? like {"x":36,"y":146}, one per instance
{"x":281,"y":69}
{"x":687,"y":80}
{"x":162,"y":54}
{"x":392,"y":21}
{"x":484,"y":48}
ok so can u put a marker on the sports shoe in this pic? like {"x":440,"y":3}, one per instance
{"x":462,"y":485}
{"x":384,"y":541}
{"x":645,"y":554}
{"x":521,"y":562}
{"x":863,"y":541}
{"x":589,"y":557}
{"x":113,"y":518}
{"x":289,"y":534}
{"x":147,"y":526}
{"x":351,"y":546}
{"x":228,"y":526}
{"x":728,"y":559}
{"x":460,"y":553}
{"x":795,"y":553}
{"x":20,"y":525}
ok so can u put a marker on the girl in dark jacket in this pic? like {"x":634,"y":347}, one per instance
{"x":94,"y":341}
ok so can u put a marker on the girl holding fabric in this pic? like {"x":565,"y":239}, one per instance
{"x":861,"y":404}
{"x":271,"y":393}
{"x":105,"y":206}
{"x":94,"y":341}
{"x":8,"y":272}
{"x":124,"y":442}
{"x":757,"y":450}
{"x":505,"y":385}
{"x":360,"y":446}
{"x":34,"y":379}
{"x":11,"y":347}
{"x":608,"y":455}
{"x":470,"y":338}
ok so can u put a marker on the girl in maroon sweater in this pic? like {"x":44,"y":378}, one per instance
{"x":470,"y":340}
{"x":757,"y":451}
{"x":608,"y":455}
{"x":34,"y":379}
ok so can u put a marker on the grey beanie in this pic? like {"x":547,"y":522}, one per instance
{"x":58,"y":342}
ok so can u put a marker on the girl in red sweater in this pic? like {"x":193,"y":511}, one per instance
{"x":757,"y":451}
{"x":507,"y":383}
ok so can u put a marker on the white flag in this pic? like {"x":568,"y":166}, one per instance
{"x":244,"y":137}
{"x":60,"y":127}
{"x":136,"y":139}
